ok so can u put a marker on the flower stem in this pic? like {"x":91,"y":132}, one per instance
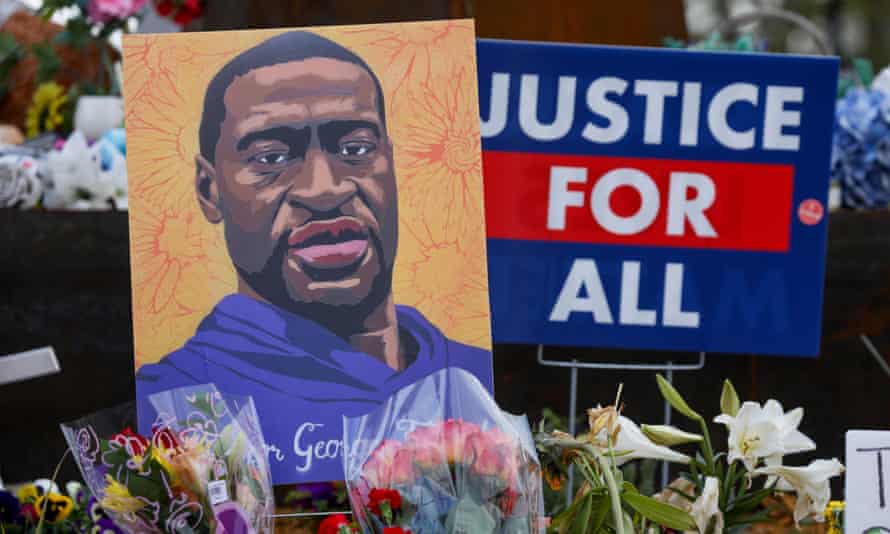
{"x":707,"y":449}
{"x":614,"y":495}
{"x":46,"y":497}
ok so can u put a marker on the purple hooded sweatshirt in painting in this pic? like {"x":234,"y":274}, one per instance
{"x":302,"y":377}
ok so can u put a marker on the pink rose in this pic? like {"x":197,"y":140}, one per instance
{"x":496,"y":454}
{"x":428,"y":446}
{"x":390,"y":463}
{"x":105,"y":11}
{"x":456,"y":435}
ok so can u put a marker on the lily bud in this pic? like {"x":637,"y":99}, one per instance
{"x":669,"y":435}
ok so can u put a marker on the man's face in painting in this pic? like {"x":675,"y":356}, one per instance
{"x":305,"y":185}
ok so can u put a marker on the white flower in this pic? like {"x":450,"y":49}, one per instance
{"x":46,"y":486}
{"x":764,"y":432}
{"x":753,"y":434}
{"x":810,"y":483}
{"x":635,"y":444}
{"x":793,"y":440}
{"x":882,"y":82}
{"x":707,"y":507}
{"x":73,"y":489}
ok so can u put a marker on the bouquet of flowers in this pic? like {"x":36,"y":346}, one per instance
{"x":203,"y":469}
{"x":440,"y":456}
{"x":721,"y":491}
{"x":40,"y":506}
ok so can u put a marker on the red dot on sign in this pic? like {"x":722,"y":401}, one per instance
{"x":810,"y":212}
{"x":625,"y":201}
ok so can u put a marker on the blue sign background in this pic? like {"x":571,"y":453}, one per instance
{"x":749,"y":302}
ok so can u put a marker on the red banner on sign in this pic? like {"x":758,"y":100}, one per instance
{"x":638,"y":201}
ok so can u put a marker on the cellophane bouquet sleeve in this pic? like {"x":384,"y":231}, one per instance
{"x":439,"y":456}
{"x":204,"y":469}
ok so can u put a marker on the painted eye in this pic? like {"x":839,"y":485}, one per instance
{"x":271,"y":158}
{"x":352,"y":149}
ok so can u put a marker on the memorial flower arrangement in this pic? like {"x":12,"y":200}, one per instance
{"x":605,"y":501}
{"x":720,"y":491}
{"x":202,"y":470}
{"x":40,"y":506}
{"x":439,"y":456}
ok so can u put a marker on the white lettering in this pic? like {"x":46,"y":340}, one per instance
{"x":560,"y":197}
{"x":682,"y":208}
{"x":528,"y":109}
{"x":777,"y":117}
{"x":690,"y":113}
{"x":583,"y":275}
{"x":672,"y":312}
{"x":630,"y":312}
{"x":655,"y":92}
{"x":497,"y":105}
{"x":614,"y":113}
{"x":304,"y":452}
{"x":611,"y":221}
{"x":719,"y":108}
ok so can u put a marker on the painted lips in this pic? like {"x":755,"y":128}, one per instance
{"x":332,"y":244}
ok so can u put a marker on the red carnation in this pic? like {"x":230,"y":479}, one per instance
{"x":395,"y":530}
{"x":163,"y":437}
{"x":183,"y":17}
{"x":507,"y":500}
{"x":378,"y":495}
{"x":332,"y":524}
{"x":164,"y":7}
{"x":134,"y":444}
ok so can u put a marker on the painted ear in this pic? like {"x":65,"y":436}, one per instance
{"x":207,"y":189}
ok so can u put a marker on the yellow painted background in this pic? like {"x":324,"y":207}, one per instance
{"x":180,"y":266}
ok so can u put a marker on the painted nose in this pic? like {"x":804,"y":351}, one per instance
{"x":318,"y":187}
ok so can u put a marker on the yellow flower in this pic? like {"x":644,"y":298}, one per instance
{"x":118,"y":499}
{"x":45,"y":112}
{"x":160,"y":457}
{"x":28,"y":493}
{"x":833,"y":515}
{"x":58,"y":507}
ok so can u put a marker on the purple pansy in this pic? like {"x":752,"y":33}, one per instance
{"x":9,"y":507}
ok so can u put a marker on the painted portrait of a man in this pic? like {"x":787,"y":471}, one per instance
{"x":295,"y":166}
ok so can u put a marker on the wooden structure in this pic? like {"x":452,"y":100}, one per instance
{"x":629,"y":22}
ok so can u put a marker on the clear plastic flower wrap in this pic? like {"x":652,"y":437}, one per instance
{"x":440,"y":456}
{"x":203,"y":470}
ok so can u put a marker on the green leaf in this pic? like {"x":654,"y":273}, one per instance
{"x":676,"y":400}
{"x":729,"y":399}
{"x":80,"y":32}
{"x":659,"y":512}
{"x":48,"y":63}
{"x":600,"y":509}
{"x":579,"y":523}
{"x":144,"y":487}
{"x":864,"y":70}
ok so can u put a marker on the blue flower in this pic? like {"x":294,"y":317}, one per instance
{"x":860,"y":159}
{"x":9,"y":507}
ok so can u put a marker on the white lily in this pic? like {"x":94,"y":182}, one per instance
{"x":753,"y":434}
{"x":793,"y":440}
{"x":633,"y":444}
{"x":810,"y":483}
{"x":707,"y":507}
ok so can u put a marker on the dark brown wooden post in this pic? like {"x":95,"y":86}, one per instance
{"x":629,"y":22}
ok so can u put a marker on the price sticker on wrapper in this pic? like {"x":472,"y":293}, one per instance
{"x":218,"y":492}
